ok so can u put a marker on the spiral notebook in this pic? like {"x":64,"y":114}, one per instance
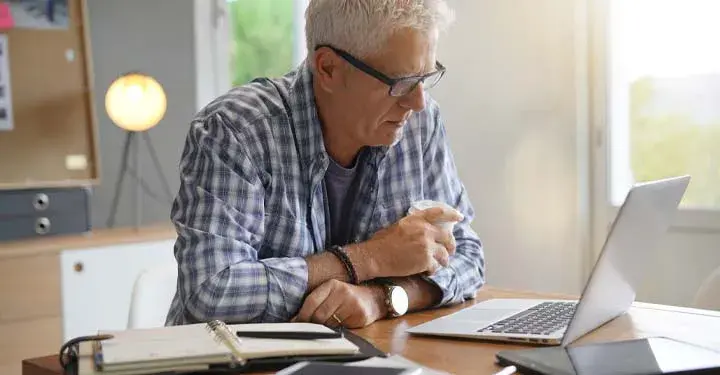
{"x":211,"y":346}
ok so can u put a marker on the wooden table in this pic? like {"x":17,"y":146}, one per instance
{"x":478,"y":357}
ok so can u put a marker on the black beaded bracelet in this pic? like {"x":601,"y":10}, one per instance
{"x":345,"y":260}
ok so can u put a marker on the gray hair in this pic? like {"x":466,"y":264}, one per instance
{"x":361,"y":27}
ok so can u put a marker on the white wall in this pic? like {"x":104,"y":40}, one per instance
{"x":515,"y":107}
{"x":510,"y":100}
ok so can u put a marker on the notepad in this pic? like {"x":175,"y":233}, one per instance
{"x":208,"y":344}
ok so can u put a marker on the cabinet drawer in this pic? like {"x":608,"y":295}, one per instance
{"x":27,"y":339}
{"x":41,"y":225}
{"x":35,"y":201}
{"x":30,"y":288}
{"x":97,"y":284}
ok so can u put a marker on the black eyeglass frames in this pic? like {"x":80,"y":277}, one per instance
{"x":398,"y":86}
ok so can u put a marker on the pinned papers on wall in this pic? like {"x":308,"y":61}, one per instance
{"x":34,"y":14}
{"x":6,"y":18}
{"x":6,"y":112}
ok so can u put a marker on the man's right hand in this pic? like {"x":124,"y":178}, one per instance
{"x":411,"y":246}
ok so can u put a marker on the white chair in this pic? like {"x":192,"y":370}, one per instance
{"x":152,"y":295}
{"x":708,"y":296}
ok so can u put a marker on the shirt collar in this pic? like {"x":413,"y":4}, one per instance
{"x":306,"y":120}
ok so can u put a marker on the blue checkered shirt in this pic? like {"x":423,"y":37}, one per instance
{"x":251,"y":205}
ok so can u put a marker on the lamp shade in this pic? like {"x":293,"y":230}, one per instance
{"x":135,"y":102}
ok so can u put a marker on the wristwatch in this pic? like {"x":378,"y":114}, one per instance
{"x":395,"y":298}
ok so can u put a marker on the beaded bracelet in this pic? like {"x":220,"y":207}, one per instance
{"x":345,"y":260}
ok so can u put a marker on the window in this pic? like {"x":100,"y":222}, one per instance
{"x":267,"y":38}
{"x":663,"y":97}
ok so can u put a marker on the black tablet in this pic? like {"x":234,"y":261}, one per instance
{"x":657,"y":355}
{"x":330,"y":368}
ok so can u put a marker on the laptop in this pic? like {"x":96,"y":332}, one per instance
{"x":643,"y":218}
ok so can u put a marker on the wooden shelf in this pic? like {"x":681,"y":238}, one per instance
{"x":95,"y":238}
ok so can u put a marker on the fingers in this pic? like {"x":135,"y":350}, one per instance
{"x":433,"y":268}
{"x":356,"y":311}
{"x":438,"y":258}
{"x":441,"y":256}
{"x":320,"y":306}
{"x":313,"y":301}
{"x":446,"y":239}
{"x":334,"y":321}
{"x":440,"y":214}
{"x":346,"y":305}
{"x":344,"y":314}
{"x":324,"y":313}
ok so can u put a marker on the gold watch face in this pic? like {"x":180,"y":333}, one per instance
{"x":398,"y":300}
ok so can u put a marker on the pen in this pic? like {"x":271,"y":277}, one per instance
{"x":290,"y":335}
{"x":507,"y":371}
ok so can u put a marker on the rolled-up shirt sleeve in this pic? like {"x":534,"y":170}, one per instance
{"x":219,"y":216}
{"x":466,"y":272}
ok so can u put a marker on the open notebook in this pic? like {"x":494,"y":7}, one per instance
{"x":198,"y":347}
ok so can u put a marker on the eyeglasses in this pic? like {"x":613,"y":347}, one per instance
{"x":398,"y":86}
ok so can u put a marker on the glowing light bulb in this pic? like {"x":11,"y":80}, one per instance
{"x":135,"y":102}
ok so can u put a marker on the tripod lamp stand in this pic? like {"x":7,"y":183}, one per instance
{"x":136,"y":103}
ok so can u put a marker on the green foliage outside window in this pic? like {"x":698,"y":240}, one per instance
{"x":664,"y":145}
{"x":262,"y":40}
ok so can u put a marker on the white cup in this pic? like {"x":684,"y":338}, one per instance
{"x":426,"y":204}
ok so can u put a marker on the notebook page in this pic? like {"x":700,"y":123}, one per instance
{"x":86,"y":365}
{"x":257,"y":348}
{"x":181,"y":344}
{"x":193,"y":344}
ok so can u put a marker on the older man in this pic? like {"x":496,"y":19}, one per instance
{"x":294,"y":191}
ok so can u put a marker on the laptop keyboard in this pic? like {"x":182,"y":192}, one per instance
{"x":542,"y":319}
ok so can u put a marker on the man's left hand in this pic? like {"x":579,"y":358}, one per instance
{"x":336,"y":303}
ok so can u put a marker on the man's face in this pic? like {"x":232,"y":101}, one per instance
{"x":370,"y":115}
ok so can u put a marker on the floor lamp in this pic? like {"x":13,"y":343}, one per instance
{"x":136,"y":103}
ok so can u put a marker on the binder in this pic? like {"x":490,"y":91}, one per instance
{"x":212,"y":347}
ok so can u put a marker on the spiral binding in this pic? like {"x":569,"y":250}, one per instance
{"x":223,"y":335}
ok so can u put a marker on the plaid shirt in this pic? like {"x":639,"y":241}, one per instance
{"x":251,"y":205}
